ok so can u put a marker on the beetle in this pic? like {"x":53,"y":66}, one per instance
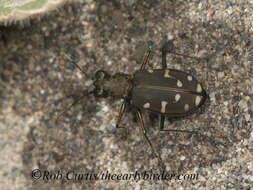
{"x":168,"y":92}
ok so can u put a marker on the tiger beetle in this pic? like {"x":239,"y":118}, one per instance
{"x":168,"y":92}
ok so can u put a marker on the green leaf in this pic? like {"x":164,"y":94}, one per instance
{"x":18,"y":10}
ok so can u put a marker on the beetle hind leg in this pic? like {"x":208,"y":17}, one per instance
{"x":167,"y":47}
{"x":162,"y":118}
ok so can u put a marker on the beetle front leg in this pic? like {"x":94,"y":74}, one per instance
{"x":121,"y":112}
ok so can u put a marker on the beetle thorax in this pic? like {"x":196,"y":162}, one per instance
{"x":118,"y":85}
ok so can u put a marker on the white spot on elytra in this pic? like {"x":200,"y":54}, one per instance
{"x":189,"y":78}
{"x":197,"y":100}
{"x":166,"y":74}
{"x":186,"y":107}
{"x":147,"y":105}
{"x":177,"y":97}
{"x":163,"y":103}
{"x":199,"y":88}
{"x":179,"y":83}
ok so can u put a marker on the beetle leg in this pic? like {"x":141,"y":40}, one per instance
{"x":164,"y":64}
{"x":173,"y":130}
{"x":146,"y":59}
{"x":167,"y":47}
{"x":160,"y":162}
{"x":162,"y":118}
{"x":139,"y":116}
{"x":121,"y":112}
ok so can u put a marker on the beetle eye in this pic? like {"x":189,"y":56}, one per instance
{"x":100,"y":74}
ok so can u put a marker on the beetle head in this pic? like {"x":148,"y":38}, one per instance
{"x":100,"y":80}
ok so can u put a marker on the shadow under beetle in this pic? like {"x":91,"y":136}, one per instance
{"x":167,"y":92}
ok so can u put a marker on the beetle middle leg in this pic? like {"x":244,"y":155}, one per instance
{"x":160,"y":162}
{"x":146,"y":59}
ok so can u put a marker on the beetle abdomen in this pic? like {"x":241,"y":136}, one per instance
{"x":170,"y":92}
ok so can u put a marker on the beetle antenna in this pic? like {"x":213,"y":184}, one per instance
{"x":86,"y":93}
{"x":75,"y":64}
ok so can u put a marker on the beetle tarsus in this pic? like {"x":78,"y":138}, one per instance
{"x":119,"y":127}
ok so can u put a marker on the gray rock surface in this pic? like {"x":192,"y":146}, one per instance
{"x":36,"y":78}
